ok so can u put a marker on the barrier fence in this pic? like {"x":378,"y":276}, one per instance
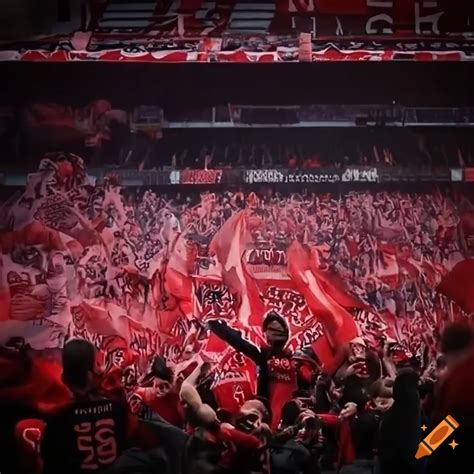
{"x":352,"y":174}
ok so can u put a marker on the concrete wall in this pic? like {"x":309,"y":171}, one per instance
{"x":21,"y":19}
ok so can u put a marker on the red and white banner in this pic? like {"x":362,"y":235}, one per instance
{"x":234,"y":31}
{"x":322,"y":51}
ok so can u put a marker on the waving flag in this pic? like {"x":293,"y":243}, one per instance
{"x":228,"y":246}
{"x":458,"y":285}
{"x":333,"y":284}
{"x":339,"y":325}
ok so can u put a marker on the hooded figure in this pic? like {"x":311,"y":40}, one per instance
{"x":276,"y":375}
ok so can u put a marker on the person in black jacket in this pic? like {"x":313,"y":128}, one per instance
{"x":400,"y":430}
{"x":276,"y":375}
{"x":90,"y":432}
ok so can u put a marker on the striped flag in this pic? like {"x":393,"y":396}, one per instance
{"x":248,"y":17}
{"x":203,"y":17}
{"x":128,"y":15}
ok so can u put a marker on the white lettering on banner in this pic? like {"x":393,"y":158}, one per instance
{"x":428,"y":24}
{"x":381,"y":17}
{"x":143,"y":341}
{"x":239,"y":395}
{"x":370,"y":176}
{"x":263,"y":176}
{"x":215,"y":300}
{"x":307,"y":337}
{"x":268,"y":257}
{"x":274,"y":176}
{"x":360,"y":175}
{"x":312,"y":178}
{"x":288,"y":302}
{"x":380,"y":23}
{"x":370,"y":323}
{"x":348,"y":175}
{"x":175,"y":177}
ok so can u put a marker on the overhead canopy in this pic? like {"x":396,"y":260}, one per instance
{"x":192,"y":53}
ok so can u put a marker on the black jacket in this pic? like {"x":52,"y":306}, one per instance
{"x":259,"y":355}
{"x":400,"y":430}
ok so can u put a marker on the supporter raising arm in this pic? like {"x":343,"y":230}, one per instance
{"x":214,"y":445}
{"x":204,"y":415}
{"x":275,"y":369}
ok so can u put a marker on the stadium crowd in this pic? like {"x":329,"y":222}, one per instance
{"x":366,"y":417}
{"x":83,"y":411}
{"x":356,"y":234}
{"x":71,"y":419}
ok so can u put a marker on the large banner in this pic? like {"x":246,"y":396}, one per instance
{"x":234,"y":48}
{"x":246,"y":31}
{"x":322,"y":17}
{"x":292,"y":176}
{"x":143,"y":274}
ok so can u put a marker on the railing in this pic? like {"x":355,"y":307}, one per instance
{"x":346,"y":175}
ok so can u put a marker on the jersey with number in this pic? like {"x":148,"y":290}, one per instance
{"x":85,"y":436}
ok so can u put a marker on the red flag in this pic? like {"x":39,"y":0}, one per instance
{"x":228,"y":245}
{"x":178,"y":283}
{"x":257,"y":307}
{"x":91,"y":319}
{"x":333,"y":284}
{"x":179,"y":286}
{"x":387,"y":269}
{"x":339,"y":326}
{"x":235,"y":382}
{"x":235,"y":377}
{"x":167,"y":308}
{"x":5,"y":308}
{"x":271,"y":289}
{"x":466,"y":227}
{"x":458,"y":285}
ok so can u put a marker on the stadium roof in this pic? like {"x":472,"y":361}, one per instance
{"x":201,"y":52}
